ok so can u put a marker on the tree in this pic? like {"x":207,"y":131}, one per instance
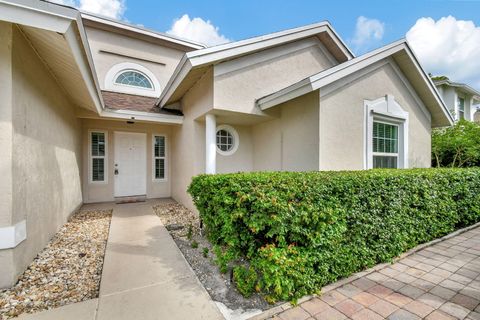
{"x":456,"y":146}
{"x":438,"y":78}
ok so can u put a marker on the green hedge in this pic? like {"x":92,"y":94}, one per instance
{"x":300,"y":231}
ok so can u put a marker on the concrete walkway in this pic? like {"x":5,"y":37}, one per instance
{"x":439,"y":282}
{"x":145,"y":276}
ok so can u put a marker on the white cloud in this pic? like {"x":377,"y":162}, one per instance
{"x":448,"y":47}
{"x":198,"y":30}
{"x":108,"y":8}
{"x":368,"y":32}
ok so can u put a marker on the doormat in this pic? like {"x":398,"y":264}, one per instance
{"x":133,"y":199}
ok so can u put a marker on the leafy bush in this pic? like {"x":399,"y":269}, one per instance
{"x":456,"y":146}
{"x":300,"y":231}
{"x":245,"y":279}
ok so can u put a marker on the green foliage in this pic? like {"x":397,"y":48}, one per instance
{"x":438,"y":78}
{"x":245,"y":279}
{"x":301,"y":231}
{"x":194,"y":244}
{"x":224,"y":257}
{"x":456,"y":146}
{"x":205,"y":252}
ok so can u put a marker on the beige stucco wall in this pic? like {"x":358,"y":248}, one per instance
{"x":242,"y":159}
{"x":46,"y":182}
{"x":236,"y":90}
{"x":342,"y":121}
{"x":136,"y":48}
{"x":104,"y":191}
{"x":188,"y":140}
{"x":289,"y":143}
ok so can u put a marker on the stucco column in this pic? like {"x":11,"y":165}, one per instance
{"x":210,"y":143}
{"x":6,"y":156}
{"x":6,"y":126}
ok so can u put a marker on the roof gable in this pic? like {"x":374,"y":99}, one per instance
{"x":408,"y":64}
{"x":193,"y":64}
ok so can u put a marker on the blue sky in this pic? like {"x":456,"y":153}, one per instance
{"x":445,"y":35}
{"x":242,"y":19}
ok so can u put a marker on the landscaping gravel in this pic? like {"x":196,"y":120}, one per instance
{"x":68,"y":270}
{"x":198,"y":251}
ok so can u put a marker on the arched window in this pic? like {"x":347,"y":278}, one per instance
{"x":134,"y":78}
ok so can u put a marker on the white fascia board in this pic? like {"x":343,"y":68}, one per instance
{"x":81,"y":56}
{"x":141,"y":116}
{"x":91,"y":65}
{"x":180,"y":73}
{"x":430,"y":83}
{"x":340,"y":43}
{"x":234,"y":49}
{"x":144,"y":31}
{"x":296,"y":90}
{"x":37,"y":14}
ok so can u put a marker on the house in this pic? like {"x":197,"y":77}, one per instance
{"x":461,"y":100}
{"x":95,"y":109}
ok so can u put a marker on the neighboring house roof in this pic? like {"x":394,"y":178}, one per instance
{"x":461,"y":86}
{"x":137,"y":31}
{"x":193,"y":64}
{"x":123,"y":101}
{"x":401,"y":54}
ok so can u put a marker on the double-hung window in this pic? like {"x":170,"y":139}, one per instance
{"x":385,"y":145}
{"x":159,"y":157}
{"x":98,"y":146}
{"x":461,"y":108}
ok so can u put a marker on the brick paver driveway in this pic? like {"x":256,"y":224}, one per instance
{"x":439,"y":282}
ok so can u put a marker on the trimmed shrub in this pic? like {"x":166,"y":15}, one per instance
{"x":299,"y":231}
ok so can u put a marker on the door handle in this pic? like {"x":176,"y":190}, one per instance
{"x":116,"y":172}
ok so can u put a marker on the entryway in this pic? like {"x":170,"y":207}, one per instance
{"x":130,"y":164}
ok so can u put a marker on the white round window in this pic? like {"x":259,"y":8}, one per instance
{"x":227,"y":140}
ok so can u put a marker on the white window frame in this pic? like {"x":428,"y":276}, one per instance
{"x":236,"y":139}
{"x":91,"y":157}
{"x":386,"y":154}
{"x":119,"y":68}
{"x":154,"y":178}
{"x":388,"y":111}
{"x":460,"y":113}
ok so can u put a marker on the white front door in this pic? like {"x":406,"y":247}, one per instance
{"x":130,"y":164}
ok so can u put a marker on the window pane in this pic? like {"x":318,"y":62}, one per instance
{"x":385,"y":138}
{"x":384,"y":162}
{"x":461,"y":104}
{"x":159,"y":146}
{"x":159,"y":168}
{"x":98,"y":144}
{"x":225,"y":140}
{"x":133,"y":78}
{"x":98,"y":169}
